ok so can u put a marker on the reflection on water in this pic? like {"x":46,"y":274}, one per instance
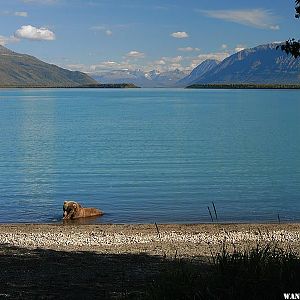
{"x":37,"y":156}
{"x":157,"y":155}
{"x":83,"y":221}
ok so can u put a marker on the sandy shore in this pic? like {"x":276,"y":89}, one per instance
{"x":170,"y":239}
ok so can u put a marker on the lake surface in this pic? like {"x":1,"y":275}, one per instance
{"x":150,"y":155}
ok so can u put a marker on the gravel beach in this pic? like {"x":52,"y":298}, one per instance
{"x":185,"y":240}
{"x":43,"y":261}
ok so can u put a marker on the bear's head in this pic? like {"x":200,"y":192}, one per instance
{"x":70,"y":208}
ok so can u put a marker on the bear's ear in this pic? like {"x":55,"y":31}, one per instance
{"x":66,"y":202}
{"x":74,"y":205}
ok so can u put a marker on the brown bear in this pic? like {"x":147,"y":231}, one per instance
{"x":73,"y":210}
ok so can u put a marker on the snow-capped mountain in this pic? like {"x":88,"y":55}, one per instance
{"x":140,"y":78}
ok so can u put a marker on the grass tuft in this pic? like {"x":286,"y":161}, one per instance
{"x":263,"y":272}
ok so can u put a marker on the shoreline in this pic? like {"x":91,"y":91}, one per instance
{"x":247,"y":86}
{"x":83,"y":86}
{"x":109,"y":261}
{"x":228,"y":86}
{"x":186,"y":240}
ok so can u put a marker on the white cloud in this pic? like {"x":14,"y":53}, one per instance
{"x":174,"y":66}
{"x":175,"y":59}
{"x":188,"y":49}
{"x":102,"y":28}
{"x":259,"y":18}
{"x":32,"y":33}
{"x":16,"y":13}
{"x":76,"y":67}
{"x":224,"y":46}
{"x":109,"y":63}
{"x":239,"y":48}
{"x":135,"y":54}
{"x":202,"y":57}
{"x":4,"y":40}
{"x":180,"y":35}
{"x":160,"y":62}
{"x":105,"y":66}
{"x":214,"y":55}
{"x":162,"y":65}
{"x":274,"y":27}
{"x":21,"y":14}
{"x":98,"y":28}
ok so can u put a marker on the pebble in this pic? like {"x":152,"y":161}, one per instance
{"x":79,"y":239}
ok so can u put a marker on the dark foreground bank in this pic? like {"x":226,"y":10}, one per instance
{"x":244,"y":261}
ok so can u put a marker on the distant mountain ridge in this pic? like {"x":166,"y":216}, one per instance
{"x":22,"y":70}
{"x":199,"y":71}
{"x":263,"y":64}
{"x":140,"y":78}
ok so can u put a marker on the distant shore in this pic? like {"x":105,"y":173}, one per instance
{"x":186,"y":240}
{"x":133,"y":86}
{"x":84,"y":86}
{"x":244,"y":86}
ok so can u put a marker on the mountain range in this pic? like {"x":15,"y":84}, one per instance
{"x":22,"y":70}
{"x":140,"y":78}
{"x":264,"y":64}
{"x":198,"y":72}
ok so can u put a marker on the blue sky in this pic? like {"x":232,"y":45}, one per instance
{"x":98,"y":35}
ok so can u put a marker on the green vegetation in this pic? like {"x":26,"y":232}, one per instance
{"x":110,"y":86}
{"x":265,"y":272}
{"x":243,"y":86}
{"x":94,"y":85}
{"x":21,"y":70}
{"x":292,"y":46}
{"x":25,"y":71}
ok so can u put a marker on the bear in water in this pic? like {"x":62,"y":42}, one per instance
{"x":73,"y":210}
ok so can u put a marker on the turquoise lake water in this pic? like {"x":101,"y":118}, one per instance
{"x":150,"y":155}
